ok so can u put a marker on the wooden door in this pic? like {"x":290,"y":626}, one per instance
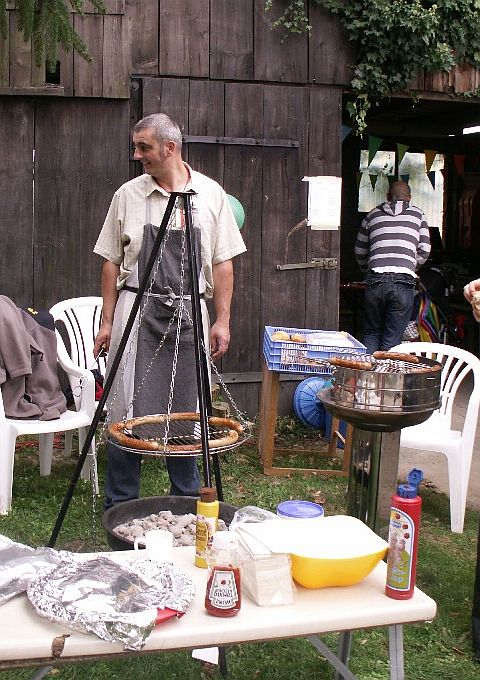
{"x":254,"y":140}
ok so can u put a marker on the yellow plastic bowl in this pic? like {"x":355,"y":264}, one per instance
{"x":341,"y":553}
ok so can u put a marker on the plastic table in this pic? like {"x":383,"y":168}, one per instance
{"x":26,"y":639}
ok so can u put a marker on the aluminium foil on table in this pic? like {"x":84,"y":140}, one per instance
{"x":20,"y":564}
{"x":116,"y":602}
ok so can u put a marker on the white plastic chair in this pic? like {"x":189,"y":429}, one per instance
{"x":11,"y":428}
{"x":80,"y":319}
{"x":436,"y":433}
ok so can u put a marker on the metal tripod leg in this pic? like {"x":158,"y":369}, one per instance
{"x":113,"y":370}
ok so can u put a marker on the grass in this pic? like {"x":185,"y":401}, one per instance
{"x":441,"y":649}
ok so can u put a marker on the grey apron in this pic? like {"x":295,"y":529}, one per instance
{"x":153,"y":395}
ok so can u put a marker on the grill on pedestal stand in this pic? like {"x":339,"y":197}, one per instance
{"x":387,"y":397}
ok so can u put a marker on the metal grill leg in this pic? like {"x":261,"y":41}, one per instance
{"x":395,"y":645}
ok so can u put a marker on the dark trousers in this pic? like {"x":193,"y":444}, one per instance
{"x":122,"y":479}
{"x":387,"y":309}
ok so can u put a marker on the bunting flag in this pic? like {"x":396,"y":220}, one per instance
{"x":345,"y":131}
{"x":401,"y":151}
{"x":374,"y":143}
{"x":459,"y":161}
{"x":358,"y":176}
{"x":391,"y":180}
{"x":373,"y":180}
{"x":429,"y":158}
{"x":405,"y":178}
{"x":431,"y":177}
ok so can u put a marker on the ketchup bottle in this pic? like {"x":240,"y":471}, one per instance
{"x":403,"y":538}
{"x":223,"y":595}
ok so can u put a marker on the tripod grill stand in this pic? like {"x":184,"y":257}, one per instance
{"x":203,"y":383}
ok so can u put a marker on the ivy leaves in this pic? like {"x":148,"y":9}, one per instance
{"x":394,"y":40}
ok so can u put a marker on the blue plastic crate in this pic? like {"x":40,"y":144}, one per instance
{"x":294,"y":357}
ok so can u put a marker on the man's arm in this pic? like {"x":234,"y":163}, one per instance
{"x":110,"y":274}
{"x":222,"y":298}
{"x":362,"y":246}
{"x":424,"y":247}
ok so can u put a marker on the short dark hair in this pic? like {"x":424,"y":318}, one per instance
{"x":164,"y":128}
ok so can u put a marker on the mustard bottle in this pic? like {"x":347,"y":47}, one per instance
{"x":207,"y":524}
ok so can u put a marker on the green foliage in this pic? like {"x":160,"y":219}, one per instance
{"x":47,"y":24}
{"x":394,"y":39}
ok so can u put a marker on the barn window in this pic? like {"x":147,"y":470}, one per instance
{"x":52,"y":75}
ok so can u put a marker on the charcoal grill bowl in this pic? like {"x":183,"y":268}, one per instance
{"x":376,"y":420}
{"x":142,"y":507}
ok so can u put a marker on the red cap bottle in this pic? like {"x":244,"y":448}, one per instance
{"x":403,"y":538}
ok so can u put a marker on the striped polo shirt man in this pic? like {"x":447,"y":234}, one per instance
{"x":392,"y":243}
{"x":394,"y":237}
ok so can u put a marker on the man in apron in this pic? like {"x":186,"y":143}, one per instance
{"x":142,"y":383}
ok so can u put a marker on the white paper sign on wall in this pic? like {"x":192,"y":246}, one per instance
{"x":324,"y":202}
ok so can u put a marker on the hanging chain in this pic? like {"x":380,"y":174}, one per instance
{"x":238,"y":413}
{"x":181,"y":308}
{"x":101,"y":436}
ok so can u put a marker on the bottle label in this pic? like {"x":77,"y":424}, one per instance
{"x":223,"y":589}
{"x":204,"y":533}
{"x":400,"y":550}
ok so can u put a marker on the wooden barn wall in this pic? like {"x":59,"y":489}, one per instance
{"x":49,"y":225}
{"x":225,"y":40}
{"x":267,"y":179}
{"x":108,"y":38}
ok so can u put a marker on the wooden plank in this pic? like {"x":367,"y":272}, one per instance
{"x":284,"y":115}
{"x":66,"y":67}
{"x":436,"y":82}
{"x":184,"y":38}
{"x":418,"y":82}
{"x":117,"y":58}
{"x":38,"y":72}
{"x":72,"y":137}
{"x":16,"y":180}
{"x":464,"y":78}
{"x":324,"y":154}
{"x":20,"y":55}
{"x":278,"y":57}
{"x":87,"y":77}
{"x":331,"y":55}
{"x":144,"y":15}
{"x":206,"y":117}
{"x":111,"y":7}
{"x":244,"y":110}
{"x":45,"y":91}
{"x":267,"y":416}
{"x":231,"y":39}
{"x":167,"y":95}
{"x":242,"y":179}
{"x":5,"y":58}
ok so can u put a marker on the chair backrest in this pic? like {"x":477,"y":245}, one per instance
{"x":80,"y":319}
{"x":457,"y":364}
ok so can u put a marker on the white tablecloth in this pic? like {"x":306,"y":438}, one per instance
{"x":25,"y":636}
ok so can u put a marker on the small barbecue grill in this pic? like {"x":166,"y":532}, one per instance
{"x":384,"y":396}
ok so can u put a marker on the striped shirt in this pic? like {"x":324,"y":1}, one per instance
{"x":393,"y":237}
